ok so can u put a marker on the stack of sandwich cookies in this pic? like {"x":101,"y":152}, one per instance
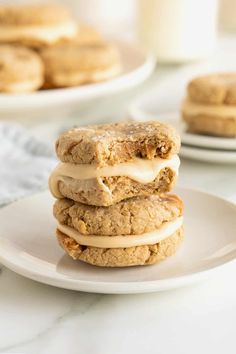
{"x":112,"y":209}
{"x":210,"y":106}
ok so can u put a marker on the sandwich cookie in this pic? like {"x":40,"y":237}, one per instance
{"x":136,"y":231}
{"x":21,"y":69}
{"x":36,"y":25}
{"x":71,"y":64}
{"x":102,"y":165}
{"x":210,"y":106}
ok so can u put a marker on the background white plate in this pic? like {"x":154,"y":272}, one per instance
{"x":198,"y":140}
{"x":137,"y":66}
{"x":28,"y":246}
{"x":201,"y":154}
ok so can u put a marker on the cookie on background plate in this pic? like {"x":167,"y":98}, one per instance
{"x":136,"y":231}
{"x":35,"y":25}
{"x":21,"y":69}
{"x":210,"y":106}
{"x":71,"y":64}
{"x":213,"y":89}
{"x":104,"y":164}
{"x":87,"y":35}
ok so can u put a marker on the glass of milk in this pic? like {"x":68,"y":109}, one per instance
{"x":109,"y":16}
{"x":178,"y":30}
{"x":227,"y":15}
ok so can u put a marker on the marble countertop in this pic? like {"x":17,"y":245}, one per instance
{"x":40,"y":319}
{"x":37,"y":318}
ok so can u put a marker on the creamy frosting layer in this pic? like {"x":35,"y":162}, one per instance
{"x":48,"y":33}
{"x":140,"y":170}
{"x":192,"y":108}
{"x":150,"y":238}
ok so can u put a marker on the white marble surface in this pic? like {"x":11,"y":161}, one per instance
{"x":36,"y":318}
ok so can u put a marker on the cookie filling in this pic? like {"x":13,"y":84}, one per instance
{"x":150,"y":238}
{"x":140,"y":170}
{"x":191,"y":108}
{"x":49,"y":33}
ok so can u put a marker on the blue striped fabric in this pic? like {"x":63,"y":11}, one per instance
{"x":25,"y":163}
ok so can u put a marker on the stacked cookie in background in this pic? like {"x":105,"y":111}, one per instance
{"x":210,"y":106}
{"x":42,"y":46}
{"x":35,"y":25}
{"x":111,"y":186}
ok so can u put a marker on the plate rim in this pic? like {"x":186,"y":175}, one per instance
{"x":86,"y":92}
{"x":114,"y":287}
{"x":222,"y":157}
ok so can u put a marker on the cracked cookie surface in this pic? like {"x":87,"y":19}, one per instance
{"x":110,"y":144}
{"x":132,"y":216}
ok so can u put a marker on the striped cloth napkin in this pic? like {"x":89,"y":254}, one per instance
{"x":25,"y":163}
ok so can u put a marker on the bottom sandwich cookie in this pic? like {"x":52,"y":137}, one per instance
{"x":122,"y":257}
{"x":136,"y":231}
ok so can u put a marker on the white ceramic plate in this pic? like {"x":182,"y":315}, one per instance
{"x":137,"y":66}
{"x":28,"y":246}
{"x":204,"y":141}
{"x":195,"y":140}
{"x":207,"y":155}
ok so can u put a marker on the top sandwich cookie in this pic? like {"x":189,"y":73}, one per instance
{"x":110,"y":144}
{"x":214,"y":89}
{"x":105,"y":164}
{"x":35,"y":25}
